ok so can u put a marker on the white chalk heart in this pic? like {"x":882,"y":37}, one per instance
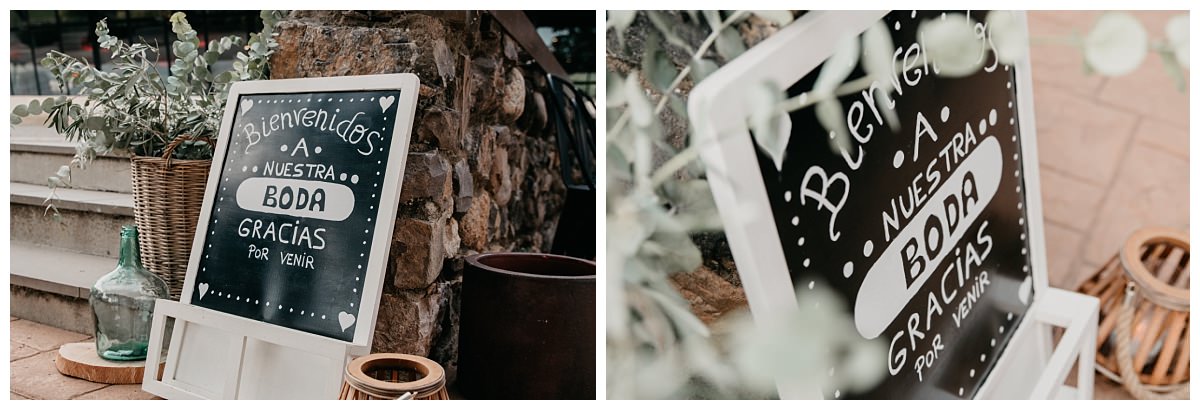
{"x":1025,"y":290}
{"x":346,"y":320}
{"x":246,"y":105}
{"x":386,"y":102}
{"x":203,"y":290}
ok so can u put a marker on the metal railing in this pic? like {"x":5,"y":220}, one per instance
{"x":35,"y":32}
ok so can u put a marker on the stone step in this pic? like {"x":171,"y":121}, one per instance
{"x":51,"y":285}
{"x":37,"y":153}
{"x":56,"y":270}
{"x":89,"y":222}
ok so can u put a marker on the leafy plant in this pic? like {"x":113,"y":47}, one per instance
{"x":133,"y":109}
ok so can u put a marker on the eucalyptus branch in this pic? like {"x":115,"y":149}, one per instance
{"x":805,"y":100}
{"x":673,"y":165}
{"x":712,"y":37}
{"x":623,"y":120}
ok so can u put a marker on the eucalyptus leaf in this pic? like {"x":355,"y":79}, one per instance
{"x":1008,"y":35}
{"x":95,"y":123}
{"x":694,"y":205}
{"x":701,"y":69}
{"x":658,"y":67}
{"x":629,"y":227}
{"x":14,"y":119}
{"x":1116,"y":45}
{"x":779,"y":17}
{"x":831,"y":114}
{"x":877,"y":48}
{"x":1174,"y":69}
{"x":672,"y":253}
{"x":640,"y":109}
{"x":184,"y":48}
{"x":684,"y":319}
{"x":839,"y":66}
{"x":951,"y":45}
{"x":677,"y":106}
{"x":659,"y":20}
{"x":713,"y":17}
{"x":729,"y":44}
{"x":865,"y":364}
{"x":620,"y":19}
{"x":833,"y":73}
{"x":35,"y":107}
{"x":772,"y":128}
{"x":669,"y":248}
{"x":1177,"y":39}
{"x":21,"y":110}
{"x":224,"y":77}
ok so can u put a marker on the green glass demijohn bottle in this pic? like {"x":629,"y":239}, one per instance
{"x":123,"y":303}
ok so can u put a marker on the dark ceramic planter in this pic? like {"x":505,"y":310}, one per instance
{"x":527,"y":327}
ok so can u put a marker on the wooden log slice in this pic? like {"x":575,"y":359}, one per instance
{"x":81,"y":361}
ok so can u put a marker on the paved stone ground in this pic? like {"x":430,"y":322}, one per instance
{"x":32,"y":349}
{"x":1113,"y":151}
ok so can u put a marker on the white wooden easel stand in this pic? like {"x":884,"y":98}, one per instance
{"x":1032,"y":350}
{"x":215,"y":355}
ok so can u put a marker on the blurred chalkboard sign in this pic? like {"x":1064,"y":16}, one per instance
{"x":301,"y":203}
{"x":922,"y":228}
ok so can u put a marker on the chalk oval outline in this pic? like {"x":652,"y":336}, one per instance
{"x":878,"y":303}
{"x":339,"y":199}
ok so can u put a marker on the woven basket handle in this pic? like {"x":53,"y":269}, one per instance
{"x":179,"y":141}
{"x":1129,"y":376}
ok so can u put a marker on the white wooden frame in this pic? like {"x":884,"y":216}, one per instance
{"x":265,"y":346}
{"x":230,"y":364}
{"x":717,"y":107}
{"x":1032,"y":347}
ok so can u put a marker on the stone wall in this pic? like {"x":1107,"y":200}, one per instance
{"x":482,"y":172}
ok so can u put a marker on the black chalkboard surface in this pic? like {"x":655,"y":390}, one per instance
{"x":294,"y":216}
{"x":923,"y":230}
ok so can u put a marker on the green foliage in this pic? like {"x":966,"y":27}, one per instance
{"x":132,"y":109}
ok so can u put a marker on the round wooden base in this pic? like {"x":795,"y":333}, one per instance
{"x":80,"y":360}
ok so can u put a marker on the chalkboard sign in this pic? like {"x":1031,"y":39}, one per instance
{"x":923,"y":229}
{"x":301,"y":202}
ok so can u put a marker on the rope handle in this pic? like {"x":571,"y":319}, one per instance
{"x":1129,"y":377}
{"x":170,"y":149}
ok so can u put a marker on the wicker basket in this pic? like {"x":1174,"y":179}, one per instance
{"x":167,"y":197}
{"x":1147,"y":285}
{"x":391,"y":376}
